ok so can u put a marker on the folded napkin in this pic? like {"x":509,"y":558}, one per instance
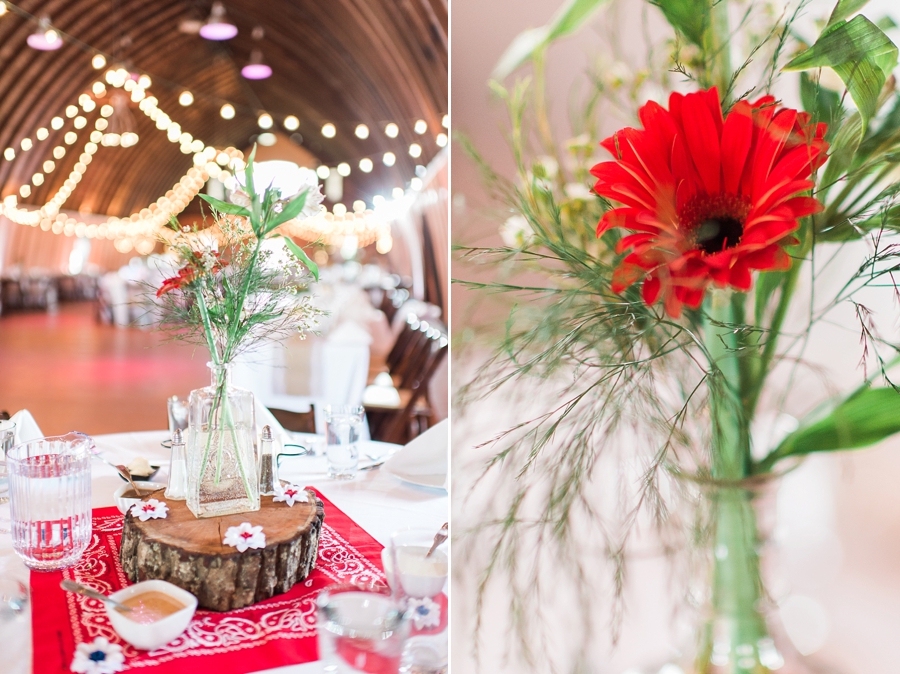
{"x":426,"y":454}
{"x":26,"y":427}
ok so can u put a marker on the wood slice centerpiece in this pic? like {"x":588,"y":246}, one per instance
{"x":188,"y":552}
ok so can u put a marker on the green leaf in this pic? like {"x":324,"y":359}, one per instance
{"x":225,"y":207}
{"x":688,"y":17}
{"x":866,"y":417}
{"x":255,"y":205}
{"x":842,"y":151}
{"x":291,"y":210}
{"x":860,"y":53}
{"x":301,"y":255}
{"x":569,"y":18}
{"x":845,"y":8}
{"x":823,"y":104}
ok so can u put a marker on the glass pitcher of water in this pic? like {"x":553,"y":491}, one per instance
{"x":50,"y":499}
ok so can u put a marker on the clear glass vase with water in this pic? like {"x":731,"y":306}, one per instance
{"x":343,"y":424}
{"x":50,"y":499}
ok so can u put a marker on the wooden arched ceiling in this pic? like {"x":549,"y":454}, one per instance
{"x":343,"y":61}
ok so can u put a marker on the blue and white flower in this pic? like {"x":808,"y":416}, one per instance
{"x":424,"y":612}
{"x":245,"y":536}
{"x":150,"y":510}
{"x":98,"y":657}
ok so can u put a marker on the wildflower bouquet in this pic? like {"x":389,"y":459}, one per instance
{"x":665,"y":317}
{"x":240,"y":282}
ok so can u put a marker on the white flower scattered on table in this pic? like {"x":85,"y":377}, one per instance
{"x":150,"y":510}
{"x":245,"y":536}
{"x":424,"y":612}
{"x":98,"y":657}
{"x":290,"y":494}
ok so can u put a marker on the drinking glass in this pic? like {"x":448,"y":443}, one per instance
{"x":359,"y":630}
{"x":342,"y":425}
{"x":50,"y":499}
{"x":417,"y":580}
{"x":178,"y":415}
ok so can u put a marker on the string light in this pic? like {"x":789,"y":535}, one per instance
{"x":421,"y":126}
{"x":445,"y":121}
{"x":343,"y":169}
{"x":361,"y":131}
{"x":339,"y":209}
{"x":389,"y":159}
{"x":415,"y":150}
{"x":441,"y":140}
{"x":185,"y":98}
{"x":329,"y":130}
{"x":415,"y":184}
{"x":227,"y":111}
{"x":265,"y":121}
{"x":25,"y":144}
{"x":9,"y":154}
{"x":397,"y":193}
{"x":365,"y":165}
{"x":391,"y":130}
{"x":98,"y":62}
{"x":323,"y":172}
{"x":291,"y":123}
{"x":57,"y":123}
{"x":42,"y":133}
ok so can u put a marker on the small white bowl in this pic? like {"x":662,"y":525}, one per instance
{"x":125,"y":503}
{"x":154,"y":635}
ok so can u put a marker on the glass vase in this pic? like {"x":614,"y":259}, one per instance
{"x":739,"y":630}
{"x":223,"y":471}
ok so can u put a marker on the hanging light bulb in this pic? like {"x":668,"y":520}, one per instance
{"x":323,"y":172}
{"x":185,"y":98}
{"x":389,"y":158}
{"x":256,"y":69}
{"x":343,"y":169}
{"x":421,"y":126}
{"x":445,"y":121}
{"x":291,"y":123}
{"x":45,"y":38}
{"x":217,"y":26}
{"x":362,"y":131}
{"x":329,"y":130}
{"x":391,"y":130}
{"x":98,"y":62}
{"x":415,"y":150}
{"x":227,"y":111}
{"x":265,"y":121}
{"x":441,"y":140}
{"x":366,"y":165}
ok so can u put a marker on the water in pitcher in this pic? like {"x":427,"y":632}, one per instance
{"x":50,"y":506}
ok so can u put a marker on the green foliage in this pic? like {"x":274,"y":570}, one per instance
{"x":860,"y":53}
{"x":845,"y":8}
{"x":225,"y":207}
{"x":301,"y":255}
{"x":867,"y":417}
{"x":569,"y":18}
{"x":824,"y":104}
{"x":689,"y":17}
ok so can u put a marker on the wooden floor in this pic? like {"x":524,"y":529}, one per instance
{"x":74,"y":374}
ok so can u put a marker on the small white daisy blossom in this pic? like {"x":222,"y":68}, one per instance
{"x":310,"y":181}
{"x":98,"y":657}
{"x":245,"y":536}
{"x":290,"y":494}
{"x":516,"y":232}
{"x":578,"y":191}
{"x":150,"y":510}
{"x":424,"y":612}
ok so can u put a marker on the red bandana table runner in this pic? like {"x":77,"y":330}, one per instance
{"x":273,"y":633}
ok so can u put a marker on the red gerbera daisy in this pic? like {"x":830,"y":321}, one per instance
{"x":189,"y":273}
{"x":708,"y":199}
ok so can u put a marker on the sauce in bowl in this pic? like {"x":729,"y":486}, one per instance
{"x":148,"y":607}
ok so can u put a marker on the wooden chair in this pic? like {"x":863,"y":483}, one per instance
{"x":296,"y":422}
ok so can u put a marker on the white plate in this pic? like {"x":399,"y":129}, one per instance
{"x":433,"y":480}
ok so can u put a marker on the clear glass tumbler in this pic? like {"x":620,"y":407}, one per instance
{"x":7,"y":438}
{"x":418,"y":579}
{"x":50,"y":499}
{"x":342,"y":428}
{"x":359,"y":630}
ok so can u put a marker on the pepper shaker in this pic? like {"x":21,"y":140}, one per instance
{"x":268,"y":473}
{"x":177,"y":487}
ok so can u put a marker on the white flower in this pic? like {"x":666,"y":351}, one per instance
{"x":309,"y":181}
{"x":240,"y":198}
{"x":578,"y":191}
{"x":150,"y":510}
{"x":98,"y":657}
{"x":290,"y":494}
{"x":516,"y":232}
{"x":245,"y":536}
{"x":424,"y":612}
{"x":549,"y":165}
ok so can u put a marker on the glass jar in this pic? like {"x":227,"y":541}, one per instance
{"x":223,"y":471}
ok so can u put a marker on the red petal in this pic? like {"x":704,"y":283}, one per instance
{"x":650,"y":289}
{"x":740,"y":277}
{"x":737,"y":135}
{"x":703,"y":142}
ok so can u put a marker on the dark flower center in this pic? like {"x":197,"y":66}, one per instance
{"x":97,"y":656}
{"x":714,"y":222}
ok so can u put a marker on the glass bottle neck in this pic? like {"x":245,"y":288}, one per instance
{"x":219,"y":374}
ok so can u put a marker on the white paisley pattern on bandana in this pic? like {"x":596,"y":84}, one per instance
{"x":210,"y":632}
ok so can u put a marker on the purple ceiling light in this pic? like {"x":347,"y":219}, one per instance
{"x":45,"y":38}
{"x":217,"y":26}
{"x":256,"y":69}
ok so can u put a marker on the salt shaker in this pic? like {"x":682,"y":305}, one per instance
{"x":177,"y":487}
{"x":268,"y":473}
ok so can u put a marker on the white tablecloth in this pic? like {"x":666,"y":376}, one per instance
{"x":379,"y":503}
